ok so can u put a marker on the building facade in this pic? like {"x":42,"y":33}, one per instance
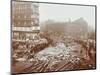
{"x":25,"y":20}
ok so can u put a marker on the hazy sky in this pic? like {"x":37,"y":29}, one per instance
{"x":64,"y":12}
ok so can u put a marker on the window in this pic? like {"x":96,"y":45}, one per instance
{"x":32,"y":23}
{"x":18,"y":16}
{"x":32,"y":16}
{"x":25,"y":16}
{"x":36,"y":21}
{"x":18,"y":23}
{"x":25,"y":23}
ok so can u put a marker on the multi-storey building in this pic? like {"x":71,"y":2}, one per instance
{"x":25,"y":20}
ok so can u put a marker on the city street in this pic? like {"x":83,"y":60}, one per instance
{"x":58,"y":58}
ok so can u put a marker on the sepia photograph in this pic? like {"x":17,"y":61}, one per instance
{"x":52,"y":37}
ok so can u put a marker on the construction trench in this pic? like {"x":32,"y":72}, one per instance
{"x":47,"y":57}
